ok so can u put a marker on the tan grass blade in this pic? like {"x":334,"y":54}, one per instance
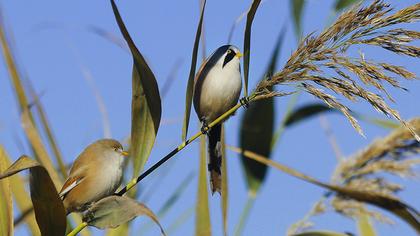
{"x":48,"y":131}
{"x":225,"y":186}
{"x":190,"y":85}
{"x":6,"y":204}
{"x":39,"y":148}
{"x":202,"y":212}
{"x":24,"y":106}
{"x":12,"y":68}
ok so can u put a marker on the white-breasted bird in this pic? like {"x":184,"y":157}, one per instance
{"x":217,"y":87}
{"x":96,"y":173}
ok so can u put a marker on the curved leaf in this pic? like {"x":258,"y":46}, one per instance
{"x":247,"y":42}
{"x":49,"y":210}
{"x":258,"y":124}
{"x":112,"y":211}
{"x":38,"y":146}
{"x":190,"y":85}
{"x":48,"y":131}
{"x":48,"y":207}
{"x":6,"y":204}
{"x":146,"y":107}
{"x":23,"y":201}
{"x":255,"y":135}
{"x":202,"y":212}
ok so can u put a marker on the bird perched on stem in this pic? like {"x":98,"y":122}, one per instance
{"x":96,"y":173}
{"x":217,"y":87}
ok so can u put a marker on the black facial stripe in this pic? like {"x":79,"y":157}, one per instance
{"x":231,"y":54}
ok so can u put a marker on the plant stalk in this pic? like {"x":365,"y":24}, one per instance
{"x":135,"y":181}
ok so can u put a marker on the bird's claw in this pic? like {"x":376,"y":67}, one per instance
{"x":204,"y":128}
{"x":244,"y":102}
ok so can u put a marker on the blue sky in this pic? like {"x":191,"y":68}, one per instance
{"x":52,"y":43}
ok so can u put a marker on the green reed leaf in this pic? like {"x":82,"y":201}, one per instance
{"x":146,"y":107}
{"x":247,"y":42}
{"x":190,"y":85}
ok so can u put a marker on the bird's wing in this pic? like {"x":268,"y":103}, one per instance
{"x":70,"y":184}
{"x":200,"y":70}
{"x":198,"y":83}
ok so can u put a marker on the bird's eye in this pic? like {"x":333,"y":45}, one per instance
{"x":230,"y":54}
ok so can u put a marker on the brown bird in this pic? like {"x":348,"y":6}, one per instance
{"x":217,"y":87}
{"x":95,"y":174}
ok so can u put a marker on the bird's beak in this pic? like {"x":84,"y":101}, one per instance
{"x":239,"y":55}
{"x":124,"y":153}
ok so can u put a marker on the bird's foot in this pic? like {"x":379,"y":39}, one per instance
{"x":204,"y":128}
{"x":244,"y":102}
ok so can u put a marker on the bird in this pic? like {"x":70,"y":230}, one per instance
{"x":96,"y":173}
{"x":217,"y":87}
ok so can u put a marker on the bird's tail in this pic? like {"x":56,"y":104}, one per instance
{"x":215,"y":158}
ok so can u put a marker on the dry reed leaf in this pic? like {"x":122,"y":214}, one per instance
{"x":190,"y":85}
{"x":49,"y":209}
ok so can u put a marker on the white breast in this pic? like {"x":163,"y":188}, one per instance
{"x":110,"y":181}
{"x":220,"y":90}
